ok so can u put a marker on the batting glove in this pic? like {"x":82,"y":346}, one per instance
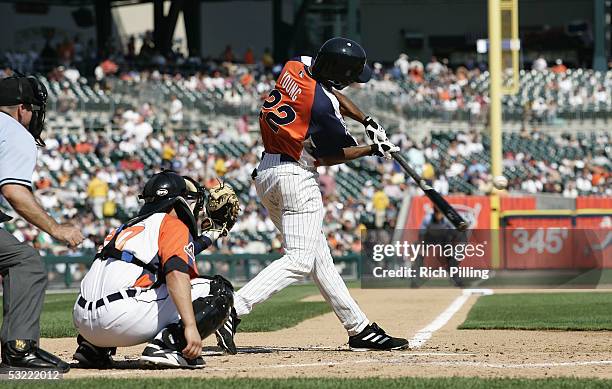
{"x":375,"y":132}
{"x":384,"y":149}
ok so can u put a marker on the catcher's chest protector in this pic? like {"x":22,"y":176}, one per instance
{"x":146,"y":244}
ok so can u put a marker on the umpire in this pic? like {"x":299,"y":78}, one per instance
{"x":22,"y":116}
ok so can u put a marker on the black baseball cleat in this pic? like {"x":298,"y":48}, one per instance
{"x":374,"y":338}
{"x":90,"y":356}
{"x":159,"y":354}
{"x":26,"y":355}
{"x":225,"y":333}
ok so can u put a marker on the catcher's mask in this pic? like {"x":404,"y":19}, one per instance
{"x":31,"y":92}
{"x":167,"y":190}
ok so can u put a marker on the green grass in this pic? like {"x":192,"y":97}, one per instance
{"x":283,"y":310}
{"x":56,"y":318}
{"x":321,"y":383}
{"x":542,"y":311}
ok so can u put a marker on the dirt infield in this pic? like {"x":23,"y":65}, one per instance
{"x":317,"y":347}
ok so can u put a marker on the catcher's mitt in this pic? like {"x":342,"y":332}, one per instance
{"x":222,"y":207}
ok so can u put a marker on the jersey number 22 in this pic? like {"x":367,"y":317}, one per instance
{"x":276,"y":117}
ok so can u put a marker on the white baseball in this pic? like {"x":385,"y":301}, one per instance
{"x":500,"y":182}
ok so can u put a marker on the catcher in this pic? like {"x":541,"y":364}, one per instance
{"x":143,"y":285}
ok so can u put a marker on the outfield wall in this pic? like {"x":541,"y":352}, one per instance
{"x":532,"y":238}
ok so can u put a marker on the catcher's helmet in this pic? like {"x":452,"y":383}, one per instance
{"x":168,"y":190}
{"x":341,"y":62}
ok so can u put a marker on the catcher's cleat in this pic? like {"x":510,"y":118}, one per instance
{"x":159,"y":354}
{"x":225,"y":334}
{"x":90,"y":356}
{"x":374,"y":338}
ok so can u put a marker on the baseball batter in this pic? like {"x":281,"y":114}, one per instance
{"x":302,"y":127}
{"x":144,"y":285}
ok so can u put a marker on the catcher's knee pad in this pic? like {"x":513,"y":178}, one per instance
{"x":221,"y":287}
{"x":211,"y":312}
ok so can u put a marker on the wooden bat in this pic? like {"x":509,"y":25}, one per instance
{"x":451,"y":214}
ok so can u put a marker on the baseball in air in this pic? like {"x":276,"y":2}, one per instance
{"x":500,"y":182}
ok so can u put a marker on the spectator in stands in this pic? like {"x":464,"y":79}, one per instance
{"x":137,"y":128}
{"x":176,"y":110}
{"x":267,"y":60}
{"x":539,"y":64}
{"x":403,"y":65}
{"x":228,"y":54}
{"x":559,"y":67}
{"x":434,"y":67}
{"x":249,"y":56}
{"x":380,"y":203}
{"x":97,"y":192}
{"x":66,"y":100}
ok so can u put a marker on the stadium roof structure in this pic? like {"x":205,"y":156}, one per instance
{"x":76,"y":3}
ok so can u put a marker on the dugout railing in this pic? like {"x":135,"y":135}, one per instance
{"x":239,"y":268}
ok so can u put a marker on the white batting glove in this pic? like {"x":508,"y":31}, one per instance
{"x":384,"y":149}
{"x":375,"y":132}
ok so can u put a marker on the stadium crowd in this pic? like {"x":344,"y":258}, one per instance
{"x":92,"y":178}
{"x":407,"y":84}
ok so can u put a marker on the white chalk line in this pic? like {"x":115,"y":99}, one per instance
{"x":440,"y":321}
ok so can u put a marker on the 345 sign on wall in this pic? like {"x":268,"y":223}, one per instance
{"x":540,"y":240}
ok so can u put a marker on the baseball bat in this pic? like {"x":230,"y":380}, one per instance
{"x":451,"y":214}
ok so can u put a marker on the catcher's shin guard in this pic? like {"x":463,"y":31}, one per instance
{"x":210,"y":313}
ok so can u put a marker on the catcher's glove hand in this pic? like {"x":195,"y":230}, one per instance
{"x":222,"y":211}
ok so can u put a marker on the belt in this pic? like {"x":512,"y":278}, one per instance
{"x":111,"y":297}
{"x":283,"y":158}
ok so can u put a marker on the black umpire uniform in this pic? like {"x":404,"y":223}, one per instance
{"x":24,"y":278}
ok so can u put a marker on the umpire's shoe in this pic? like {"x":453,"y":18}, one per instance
{"x":374,"y":338}
{"x":225,"y":334}
{"x":90,"y":356}
{"x":26,"y":355}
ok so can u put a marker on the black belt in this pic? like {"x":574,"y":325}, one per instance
{"x":111,"y":297}
{"x":283,"y":158}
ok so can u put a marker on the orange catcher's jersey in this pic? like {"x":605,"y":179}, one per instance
{"x":161,"y":240}
{"x":298,"y":109}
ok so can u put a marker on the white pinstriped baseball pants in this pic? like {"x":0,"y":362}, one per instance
{"x":292,"y":196}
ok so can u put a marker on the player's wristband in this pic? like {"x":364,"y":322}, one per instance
{"x":366,"y":121}
{"x":201,"y":243}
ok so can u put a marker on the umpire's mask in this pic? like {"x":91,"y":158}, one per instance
{"x":29,"y":91}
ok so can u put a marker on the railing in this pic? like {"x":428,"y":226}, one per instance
{"x":236,"y":267}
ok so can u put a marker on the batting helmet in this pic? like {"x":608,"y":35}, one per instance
{"x":341,"y":62}
{"x":168,"y":190}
